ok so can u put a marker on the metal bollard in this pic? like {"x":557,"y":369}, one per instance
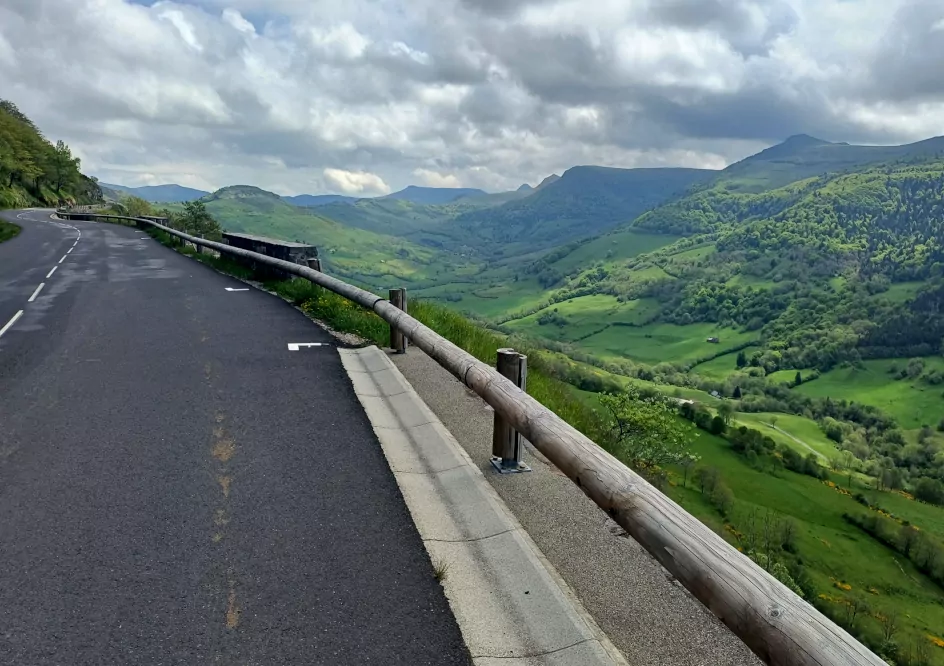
{"x":398,"y":341}
{"x":506,"y":441}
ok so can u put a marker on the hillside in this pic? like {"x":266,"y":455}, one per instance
{"x":159,"y":193}
{"x":315,"y":200}
{"x":586,"y":200}
{"x":368,"y":257}
{"x":33,"y":171}
{"x":433,"y":195}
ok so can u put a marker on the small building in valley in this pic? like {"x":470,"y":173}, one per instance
{"x":714,"y":340}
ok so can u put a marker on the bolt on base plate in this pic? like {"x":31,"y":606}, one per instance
{"x":513,"y":468}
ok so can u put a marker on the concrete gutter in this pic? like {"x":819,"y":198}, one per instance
{"x":511,"y":605}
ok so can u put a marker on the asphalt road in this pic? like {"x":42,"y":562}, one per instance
{"x":176,"y":486}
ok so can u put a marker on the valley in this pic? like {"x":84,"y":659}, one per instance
{"x":797,"y":296}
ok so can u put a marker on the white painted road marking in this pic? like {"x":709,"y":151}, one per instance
{"x":294,"y":346}
{"x":70,"y":250}
{"x":10,"y":323}
{"x":231,"y":289}
{"x":64,"y":257}
{"x":51,"y":272}
{"x":36,"y":293}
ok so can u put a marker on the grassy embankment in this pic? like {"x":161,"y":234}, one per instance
{"x":842,"y":563}
{"x":8,"y":231}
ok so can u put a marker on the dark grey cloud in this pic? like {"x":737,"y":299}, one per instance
{"x":748,"y":25}
{"x":909,"y":63}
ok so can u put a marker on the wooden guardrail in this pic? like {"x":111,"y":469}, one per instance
{"x":776,"y":624}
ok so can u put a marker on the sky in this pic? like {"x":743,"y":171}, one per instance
{"x":364,"y":97}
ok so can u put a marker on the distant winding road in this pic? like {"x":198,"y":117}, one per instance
{"x":176,"y":486}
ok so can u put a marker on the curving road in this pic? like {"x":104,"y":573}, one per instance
{"x":176,"y":486}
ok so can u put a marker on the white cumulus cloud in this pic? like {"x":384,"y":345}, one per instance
{"x":355,"y":182}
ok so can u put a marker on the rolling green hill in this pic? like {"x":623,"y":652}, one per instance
{"x":368,"y":257}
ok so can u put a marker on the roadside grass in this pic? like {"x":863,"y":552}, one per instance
{"x":908,"y":401}
{"x":8,"y":231}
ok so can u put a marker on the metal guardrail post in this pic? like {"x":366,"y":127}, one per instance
{"x":506,"y":441}
{"x":315,"y":264}
{"x":398,"y":341}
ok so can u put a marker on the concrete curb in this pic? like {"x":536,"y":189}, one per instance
{"x":510,"y":604}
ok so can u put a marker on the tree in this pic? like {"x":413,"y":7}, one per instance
{"x":726,"y":411}
{"x":687,"y":462}
{"x":722,"y":498}
{"x":707,"y":479}
{"x":737,"y":393}
{"x":855,"y":607}
{"x":65,"y":167}
{"x":644,"y":432}
{"x":889,"y":623}
{"x":742,"y":357}
{"x":717,"y":426}
{"x":907,"y":538}
{"x":197,"y":221}
{"x":136,"y":207}
{"x":798,"y":379}
{"x":929,"y":490}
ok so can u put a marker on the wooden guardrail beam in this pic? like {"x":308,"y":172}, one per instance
{"x":776,"y":624}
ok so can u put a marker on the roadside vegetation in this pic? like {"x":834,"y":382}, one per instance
{"x":8,"y":231}
{"x":34,"y":171}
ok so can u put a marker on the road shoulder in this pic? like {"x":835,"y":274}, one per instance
{"x":510,"y":603}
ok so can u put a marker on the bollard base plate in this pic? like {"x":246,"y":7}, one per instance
{"x":514,"y":468}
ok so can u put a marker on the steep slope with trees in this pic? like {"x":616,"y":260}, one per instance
{"x":33,"y":171}
{"x":586,"y":200}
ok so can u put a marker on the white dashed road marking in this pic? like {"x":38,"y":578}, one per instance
{"x":36,"y":293}
{"x":51,"y":272}
{"x":231,"y":289}
{"x":295,"y":346}
{"x":10,"y":323}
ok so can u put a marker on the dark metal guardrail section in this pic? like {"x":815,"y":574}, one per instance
{"x":780,"y":627}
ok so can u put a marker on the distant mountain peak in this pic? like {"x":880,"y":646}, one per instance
{"x":799,"y":140}
{"x":433,"y":195}
{"x":553,"y":178}
{"x":525,"y":188}
{"x":239,"y":191}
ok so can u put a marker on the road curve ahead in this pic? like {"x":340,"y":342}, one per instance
{"x":177,"y":486}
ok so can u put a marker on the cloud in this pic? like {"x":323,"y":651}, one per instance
{"x":372,"y":95}
{"x":436,"y":179}
{"x":355,"y":182}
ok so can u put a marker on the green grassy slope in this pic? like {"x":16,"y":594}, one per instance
{"x":912,"y":402}
{"x":378,"y":260}
{"x":8,"y":231}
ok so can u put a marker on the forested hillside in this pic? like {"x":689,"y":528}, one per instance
{"x":586,"y":200}
{"x":33,"y":171}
